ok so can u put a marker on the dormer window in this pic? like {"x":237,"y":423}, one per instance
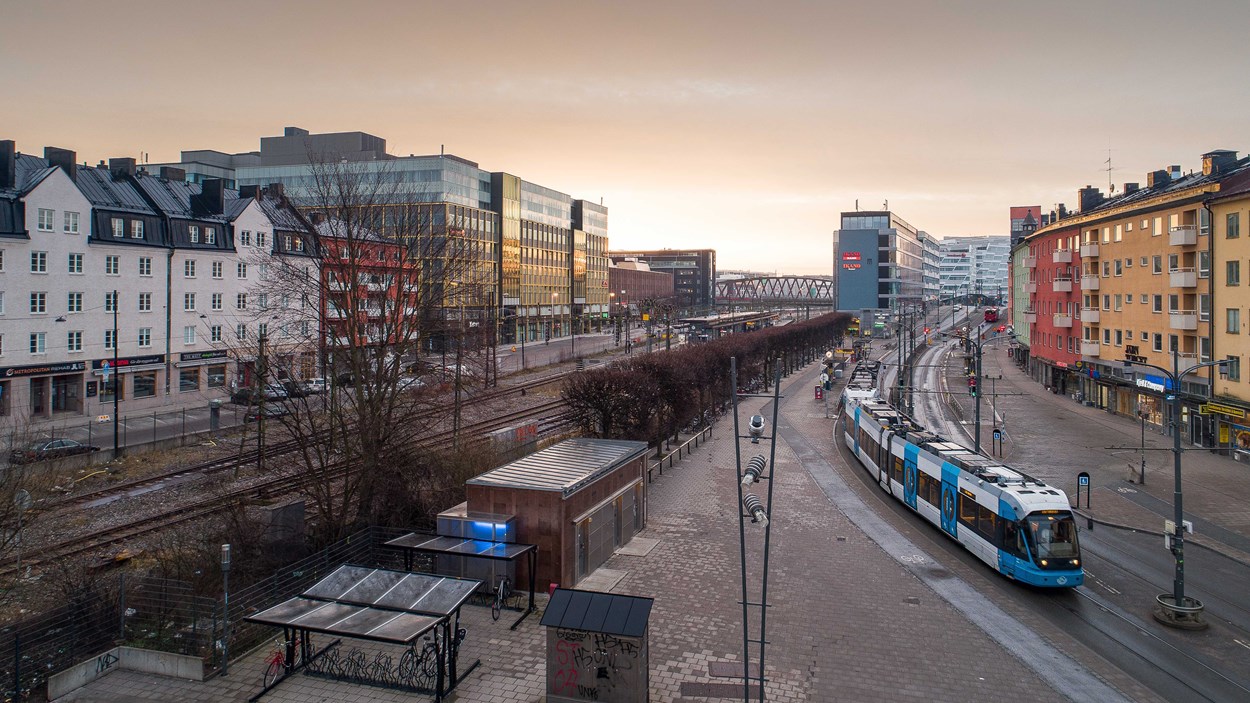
{"x":136,"y":229}
{"x":119,"y":227}
{"x":194,"y":231}
{"x":210,"y":235}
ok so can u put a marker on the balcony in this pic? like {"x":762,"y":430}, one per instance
{"x":1089,"y":251}
{"x":1030,"y":316}
{"x":1062,"y":320}
{"x":1062,"y":256}
{"x":1030,"y":262}
{"x":1183,"y":319}
{"x":1089,"y":282}
{"x":1183,"y":236}
{"x":1089,"y":348}
{"x":1090,"y":315}
{"x":1062,"y":285}
{"x":1183,"y":278}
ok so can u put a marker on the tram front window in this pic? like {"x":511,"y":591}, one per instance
{"x":1053,"y":539}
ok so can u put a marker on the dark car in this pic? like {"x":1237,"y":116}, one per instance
{"x":271,"y":411}
{"x":49,"y":449}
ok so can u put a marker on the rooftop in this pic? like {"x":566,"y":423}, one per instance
{"x":564,"y":467}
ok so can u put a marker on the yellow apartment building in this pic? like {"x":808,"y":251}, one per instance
{"x":1230,"y":328}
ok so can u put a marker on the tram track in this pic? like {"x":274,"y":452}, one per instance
{"x":545,"y":413}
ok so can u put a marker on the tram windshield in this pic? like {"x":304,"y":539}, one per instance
{"x":1052,"y":536}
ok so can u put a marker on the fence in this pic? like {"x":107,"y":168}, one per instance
{"x":675,"y":455}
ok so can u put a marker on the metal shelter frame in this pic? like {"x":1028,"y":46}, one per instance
{"x":376,"y":605}
{"x":413,"y":543}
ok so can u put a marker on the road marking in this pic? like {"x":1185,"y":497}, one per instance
{"x":1247,"y":646}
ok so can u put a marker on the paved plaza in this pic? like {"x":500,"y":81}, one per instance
{"x":853,"y":617}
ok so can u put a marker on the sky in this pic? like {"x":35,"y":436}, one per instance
{"x":746,"y":127}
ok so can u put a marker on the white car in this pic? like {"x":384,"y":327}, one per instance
{"x":409,"y":383}
{"x":316,"y":385}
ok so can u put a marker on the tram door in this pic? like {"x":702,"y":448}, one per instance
{"x":910,"y":453}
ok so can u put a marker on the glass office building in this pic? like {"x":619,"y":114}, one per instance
{"x":880,"y":260}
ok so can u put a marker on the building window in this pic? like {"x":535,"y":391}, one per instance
{"x":1204,"y":264}
{"x":110,"y":301}
{"x":39,"y":303}
{"x":73,"y":302}
{"x":260,"y":239}
{"x":188,"y":268}
{"x":304,"y":328}
{"x":145,"y":337}
{"x":1232,"y":225}
{"x":1119,"y":233}
{"x":145,"y":384}
{"x":1158,"y":303}
{"x":210,"y":235}
{"x":245,"y":238}
{"x":1145,"y":261}
{"x":216,"y":301}
{"x":73,"y":341}
{"x":1106,"y":235}
{"x":188,"y":380}
{"x":145,"y":266}
{"x":39,"y":262}
{"x":215,"y":376}
{"x":1234,"y":320}
{"x":1119,"y":268}
{"x":241,"y":269}
{"x":188,"y":334}
{"x":1157,"y":344}
{"x":119,"y":227}
{"x":263,"y":271}
{"x":112,"y":265}
{"x":71,"y":222}
{"x":263,"y":300}
{"x":45,"y":220}
{"x":1106,"y":301}
{"x":1204,"y":222}
{"x":194,"y":233}
{"x":217,"y":269}
{"x":1232,"y":273}
{"x":1106,"y":269}
{"x":240,"y":330}
{"x":1128,"y":262}
{"x":108,"y":339}
{"x":75,"y":263}
{"x":214,"y":333}
{"x":136,"y":229}
{"x":288,"y":245}
{"x":1144,"y":298}
{"x":240,"y":301}
{"x":1174,"y":302}
{"x":1157,"y":264}
{"x":262,"y":329}
{"x":188,"y":302}
{"x":145,"y":302}
{"x":1234,"y":368}
{"x":38,"y":342}
{"x":1204,"y":307}
{"x":299,"y":244}
{"x":1204,"y":349}
{"x":1119,"y":302}
{"x":1106,"y":336}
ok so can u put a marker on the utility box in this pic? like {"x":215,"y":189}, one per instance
{"x":597,"y":647}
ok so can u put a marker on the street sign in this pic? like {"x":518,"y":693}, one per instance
{"x":105,"y":371}
{"x":1082,"y":479}
{"x":103,"y":418}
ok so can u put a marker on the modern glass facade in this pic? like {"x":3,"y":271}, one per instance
{"x":898,"y":262}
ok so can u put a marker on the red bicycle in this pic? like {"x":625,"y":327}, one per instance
{"x":275,"y":662}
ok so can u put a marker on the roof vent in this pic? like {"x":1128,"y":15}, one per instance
{"x":124,"y":166}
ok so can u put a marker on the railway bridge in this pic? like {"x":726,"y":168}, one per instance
{"x":810,"y":291}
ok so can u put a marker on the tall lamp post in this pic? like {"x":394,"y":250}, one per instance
{"x":117,"y":377}
{"x":1176,"y":609}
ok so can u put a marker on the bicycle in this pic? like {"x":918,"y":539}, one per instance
{"x":424,"y":665}
{"x":501,"y":595}
{"x":275,"y":663}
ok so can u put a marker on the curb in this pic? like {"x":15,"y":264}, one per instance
{"x":1121,"y":526}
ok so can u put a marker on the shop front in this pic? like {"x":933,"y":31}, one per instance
{"x":134,"y":377}
{"x":43,"y":390}
{"x":202,"y":371}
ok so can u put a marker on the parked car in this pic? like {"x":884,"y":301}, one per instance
{"x":409,"y":383}
{"x":271,"y":410}
{"x":54,"y":448}
{"x":275,"y":391}
{"x":293,"y":389}
{"x":316,"y":385}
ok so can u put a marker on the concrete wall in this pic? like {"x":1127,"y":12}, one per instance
{"x":129,"y":658}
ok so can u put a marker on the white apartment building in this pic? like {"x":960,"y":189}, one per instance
{"x":115,"y":273}
{"x":974,"y":266}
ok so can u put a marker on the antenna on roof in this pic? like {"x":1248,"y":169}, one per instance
{"x":1110,"y":185}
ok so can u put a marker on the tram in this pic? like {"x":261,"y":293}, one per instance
{"x":991,"y":314}
{"x":1020,"y":526}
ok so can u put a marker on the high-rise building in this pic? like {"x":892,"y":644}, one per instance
{"x":880,"y":262}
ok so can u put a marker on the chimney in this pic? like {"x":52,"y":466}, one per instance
{"x":212,"y":197}
{"x":64,"y":158}
{"x":1063,"y":210}
{"x":1088,"y":198}
{"x":1176,"y":172}
{"x":8,"y":163}
{"x":173,"y":173}
{"x":1131,"y":188}
{"x":1157,"y":179}
{"x":124,"y":166}
{"x":276,"y":190}
{"x":1218,"y":161}
{"x":249,"y":192}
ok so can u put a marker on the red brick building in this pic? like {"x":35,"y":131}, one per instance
{"x":1054,"y":310}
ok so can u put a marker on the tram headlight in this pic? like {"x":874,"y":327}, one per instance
{"x":1076,"y":562}
{"x":1045,"y":562}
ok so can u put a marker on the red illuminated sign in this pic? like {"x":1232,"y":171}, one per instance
{"x":850,"y":256}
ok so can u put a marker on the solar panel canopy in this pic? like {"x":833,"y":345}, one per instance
{"x":391,"y":626}
{"x":397,"y":590}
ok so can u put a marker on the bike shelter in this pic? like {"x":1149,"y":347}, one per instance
{"x":458,"y":555}
{"x":418,"y":611}
{"x":597,"y":647}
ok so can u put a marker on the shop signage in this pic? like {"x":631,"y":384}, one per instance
{"x":851,"y":256}
{"x":202,"y":355}
{"x":41,"y":369}
{"x":1208,"y":408}
{"x":1158,"y":384}
{"x":852,"y":266}
{"x":126,"y":361}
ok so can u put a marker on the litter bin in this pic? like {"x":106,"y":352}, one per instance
{"x":214,"y":415}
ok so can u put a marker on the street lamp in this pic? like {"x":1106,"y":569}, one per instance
{"x":1177,"y":610}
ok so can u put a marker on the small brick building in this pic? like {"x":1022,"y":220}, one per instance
{"x":578,"y":500}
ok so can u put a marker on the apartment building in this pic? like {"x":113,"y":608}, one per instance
{"x":1230,"y":306}
{"x":1053,"y":317}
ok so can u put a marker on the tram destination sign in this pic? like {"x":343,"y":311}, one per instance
{"x":1208,"y":408}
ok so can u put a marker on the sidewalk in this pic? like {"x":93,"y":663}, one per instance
{"x":1054,"y":438}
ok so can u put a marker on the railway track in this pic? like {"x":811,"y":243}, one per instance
{"x":146,"y":484}
{"x":268,"y":488}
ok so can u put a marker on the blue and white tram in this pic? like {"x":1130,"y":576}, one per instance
{"x":1016,"y":524}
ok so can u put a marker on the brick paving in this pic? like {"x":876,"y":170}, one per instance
{"x":848,"y":622}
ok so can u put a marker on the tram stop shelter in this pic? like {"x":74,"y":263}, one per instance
{"x":597,"y":647}
{"x":577,"y":500}
{"x":419,"y":612}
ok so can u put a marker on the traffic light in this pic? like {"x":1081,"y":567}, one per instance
{"x":972,"y":386}
{"x":926,"y":330}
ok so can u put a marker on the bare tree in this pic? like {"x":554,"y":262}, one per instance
{"x":388,"y":274}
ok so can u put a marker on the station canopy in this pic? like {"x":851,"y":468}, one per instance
{"x":457,"y":546}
